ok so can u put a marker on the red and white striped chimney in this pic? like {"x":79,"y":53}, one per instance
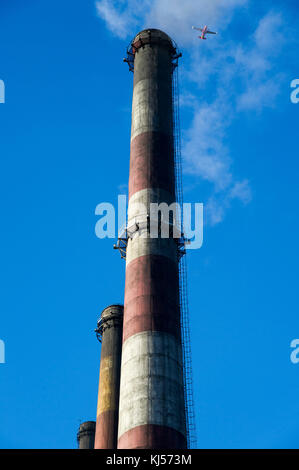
{"x":151,"y":406}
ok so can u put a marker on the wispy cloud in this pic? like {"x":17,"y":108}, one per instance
{"x":257,"y":64}
{"x":122,"y":17}
{"x":269,"y":35}
{"x":207,"y":156}
{"x":117,"y":20}
{"x":248,"y":67}
{"x":219,"y":203}
{"x":204,"y":151}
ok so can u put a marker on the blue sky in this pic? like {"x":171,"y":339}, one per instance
{"x":64,"y":145}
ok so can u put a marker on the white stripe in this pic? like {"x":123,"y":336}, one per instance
{"x":145,"y":197}
{"x":140,"y":244}
{"x":151,"y":386}
{"x":151,"y":108}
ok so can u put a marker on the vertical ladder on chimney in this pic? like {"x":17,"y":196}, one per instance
{"x":183,"y":288}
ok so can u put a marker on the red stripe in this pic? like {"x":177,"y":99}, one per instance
{"x":151,"y":296}
{"x":151,"y":162}
{"x":152,"y":436}
{"x":106,"y":430}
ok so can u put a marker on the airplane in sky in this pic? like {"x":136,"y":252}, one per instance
{"x":204,"y":31}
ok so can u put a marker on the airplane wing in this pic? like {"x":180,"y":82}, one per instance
{"x":211,"y":32}
{"x":198,"y":29}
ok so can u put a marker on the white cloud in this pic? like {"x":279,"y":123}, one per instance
{"x":260,"y":95}
{"x":206,"y":156}
{"x":219,"y":203}
{"x":204,"y":152}
{"x":241,"y":190}
{"x":122,"y":17}
{"x":269,"y":34}
{"x":215,"y":210}
{"x":256,"y":64}
{"x":116,"y":21}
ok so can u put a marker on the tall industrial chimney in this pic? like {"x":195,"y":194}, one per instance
{"x":109,"y":332}
{"x":151,"y":407}
{"x":86,"y":434}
